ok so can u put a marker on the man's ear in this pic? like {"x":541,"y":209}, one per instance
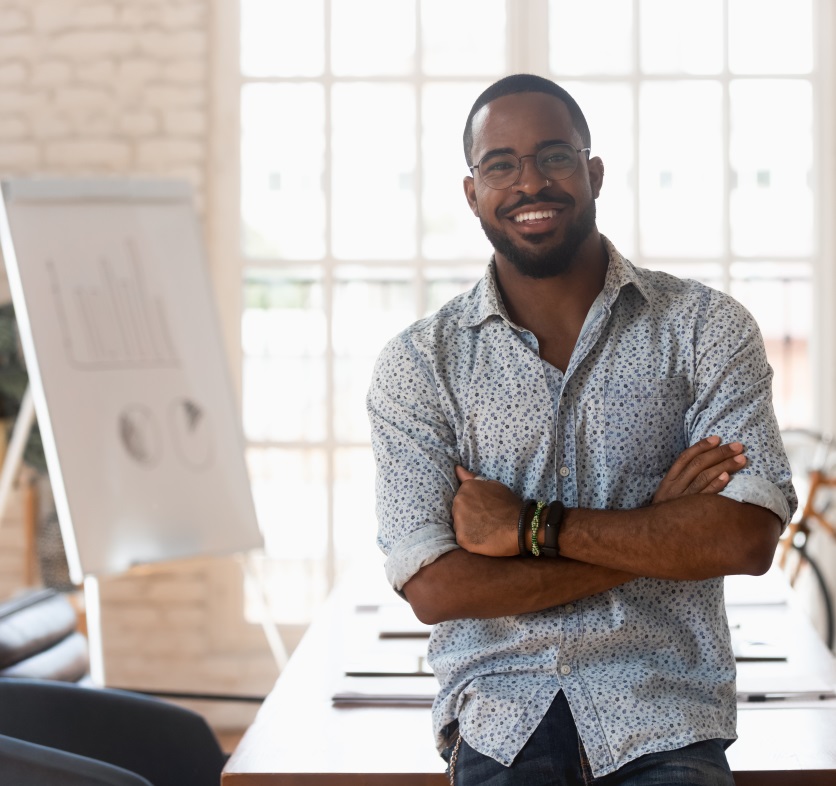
{"x":470,"y":194}
{"x":596,"y":175}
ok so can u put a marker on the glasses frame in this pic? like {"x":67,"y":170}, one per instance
{"x":536,"y":157}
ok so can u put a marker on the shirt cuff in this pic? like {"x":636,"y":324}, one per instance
{"x":415,"y":550}
{"x":758,"y":491}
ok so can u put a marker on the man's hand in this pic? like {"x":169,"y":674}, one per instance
{"x":704,"y":468}
{"x":485,"y":516}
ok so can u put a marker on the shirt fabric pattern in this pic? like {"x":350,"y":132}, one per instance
{"x":660,"y":363}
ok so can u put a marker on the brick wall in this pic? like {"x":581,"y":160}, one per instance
{"x":121,"y":87}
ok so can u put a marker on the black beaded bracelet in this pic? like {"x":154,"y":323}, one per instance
{"x":521,"y":525}
{"x":551,"y":529}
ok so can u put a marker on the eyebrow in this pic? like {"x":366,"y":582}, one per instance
{"x":498,"y":151}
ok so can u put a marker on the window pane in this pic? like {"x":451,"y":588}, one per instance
{"x":581,"y":44}
{"x":681,"y":170}
{"x":771,"y":154}
{"x":370,"y":307}
{"x":282,"y":170}
{"x":355,"y":528}
{"x":373,"y":183}
{"x":284,"y":339}
{"x":372,"y":37}
{"x":282,"y":38}
{"x":443,"y":284}
{"x":451,"y":231}
{"x":445,"y":24}
{"x":613,"y":142}
{"x":284,"y":483}
{"x":770,"y":36}
{"x":779,"y":297}
{"x":708,"y":273}
{"x":681,"y":37}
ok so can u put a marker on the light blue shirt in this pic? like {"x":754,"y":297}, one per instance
{"x":660,"y":364}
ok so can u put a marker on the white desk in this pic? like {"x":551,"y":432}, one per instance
{"x":299,"y":738}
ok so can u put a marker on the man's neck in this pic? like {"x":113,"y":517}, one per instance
{"x":554,"y":309}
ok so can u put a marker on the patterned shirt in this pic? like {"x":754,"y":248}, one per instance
{"x":660,"y":363}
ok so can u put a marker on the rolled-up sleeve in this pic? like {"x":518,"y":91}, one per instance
{"x":415,"y":454}
{"x":733,"y":399}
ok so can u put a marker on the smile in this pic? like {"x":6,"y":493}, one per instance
{"x":534,"y":215}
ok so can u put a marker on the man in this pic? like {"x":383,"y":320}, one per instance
{"x":595,"y":399}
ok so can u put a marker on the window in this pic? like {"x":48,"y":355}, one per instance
{"x":353,"y":222}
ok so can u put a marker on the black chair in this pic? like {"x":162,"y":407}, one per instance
{"x":39,"y":638}
{"x":166,"y":744}
{"x":26,"y":764}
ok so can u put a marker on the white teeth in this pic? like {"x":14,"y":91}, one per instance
{"x":534,"y":214}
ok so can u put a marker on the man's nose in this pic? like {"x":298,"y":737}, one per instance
{"x":531,"y":179}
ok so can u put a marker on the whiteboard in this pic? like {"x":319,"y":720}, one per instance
{"x":123,"y":347}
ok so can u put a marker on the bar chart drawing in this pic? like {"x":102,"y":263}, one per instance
{"x":113,"y":318}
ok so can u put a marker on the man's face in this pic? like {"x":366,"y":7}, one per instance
{"x":536,"y":226}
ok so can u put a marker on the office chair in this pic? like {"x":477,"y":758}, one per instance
{"x":26,"y":764}
{"x":162,"y":742}
{"x":39,"y":638}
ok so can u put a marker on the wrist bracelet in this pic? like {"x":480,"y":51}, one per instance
{"x":527,"y":503}
{"x":535,"y":525}
{"x":551,"y":529}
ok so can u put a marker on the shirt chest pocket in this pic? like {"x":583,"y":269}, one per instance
{"x":645,"y":423}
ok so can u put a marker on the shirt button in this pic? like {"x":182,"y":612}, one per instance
{"x":564,"y":472}
{"x":569,"y":608}
{"x":565,"y":670}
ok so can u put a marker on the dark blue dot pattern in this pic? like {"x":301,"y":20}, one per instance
{"x":660,"y":363}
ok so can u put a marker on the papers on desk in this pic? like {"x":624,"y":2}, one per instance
{"x":388,"y":691}
{"x":782,"y":685}
{"x":770,"y":589}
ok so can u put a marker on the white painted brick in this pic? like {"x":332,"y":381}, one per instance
{"x":50,"y":124}
{"x":13,"y":20}
{"x":83,"y":153}
{"x":13,"y":73}
{"x":172,"y":45}
{"x":96,"y":122}
{"x":19,"y":157}
{"x":18,"y":45}
{"x":175,"y":97}
{"x":21,"y":100}
{"x":165,"y":152}
{"x":175,"y":589}
{"x":137,"y":15}
{"x":93,"y":45}
{"x":96,"y":15}
{"x":137,"y":72}
{"x":184,"y":15}
{"x":120,"y":589}
{"x":51,"y":73}
{"x":97,"y":72}
{"x":185,"y":123}
{"x":177,"y":644}
{"x":77,"y":97}
{"x":50,"y":16}
{"x":184,"y":616}
{"x":139,"y":123}
{"x":189,"y":71}
{"x":126,"y":616}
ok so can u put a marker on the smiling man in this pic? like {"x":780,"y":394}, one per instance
{"x":561,"y":484}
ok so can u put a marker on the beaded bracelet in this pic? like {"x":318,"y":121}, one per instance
{"x":551,"y":529}
{"x":527,"y":503}
{"x":535,"y":525}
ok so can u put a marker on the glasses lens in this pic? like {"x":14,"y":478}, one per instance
{"x":499,"y":171}
{"x":558,"y":161}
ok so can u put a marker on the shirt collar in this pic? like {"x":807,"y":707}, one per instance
{"x":487,"y":302}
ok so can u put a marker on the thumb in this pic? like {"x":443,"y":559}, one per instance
{"x":464,"y":474}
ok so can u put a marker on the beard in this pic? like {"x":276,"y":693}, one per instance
{"x":544,"y":263}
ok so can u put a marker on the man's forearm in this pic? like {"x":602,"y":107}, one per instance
{"x":695,"y":537}
{"x":461,"y":585}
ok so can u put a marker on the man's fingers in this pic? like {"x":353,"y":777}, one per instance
{"x":689,"y":454}
{"x":464,"y":474}
{"x":717,"y":485}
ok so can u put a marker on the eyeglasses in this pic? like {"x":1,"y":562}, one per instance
{"x":503,"y":170}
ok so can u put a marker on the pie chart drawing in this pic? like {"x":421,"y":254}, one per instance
{"x":139,"y":434}
{"x":192,"y":433}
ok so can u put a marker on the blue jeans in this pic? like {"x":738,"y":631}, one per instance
{"x":554,"y":756}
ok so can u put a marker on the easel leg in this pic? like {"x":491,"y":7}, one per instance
{"x":262,"y":599}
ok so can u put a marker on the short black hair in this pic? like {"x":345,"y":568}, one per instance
{"x":524,"y":83}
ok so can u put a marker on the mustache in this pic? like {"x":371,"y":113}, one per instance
{"x":528,"y":200}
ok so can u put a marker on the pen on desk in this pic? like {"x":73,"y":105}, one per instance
{"x":762,"y":697}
